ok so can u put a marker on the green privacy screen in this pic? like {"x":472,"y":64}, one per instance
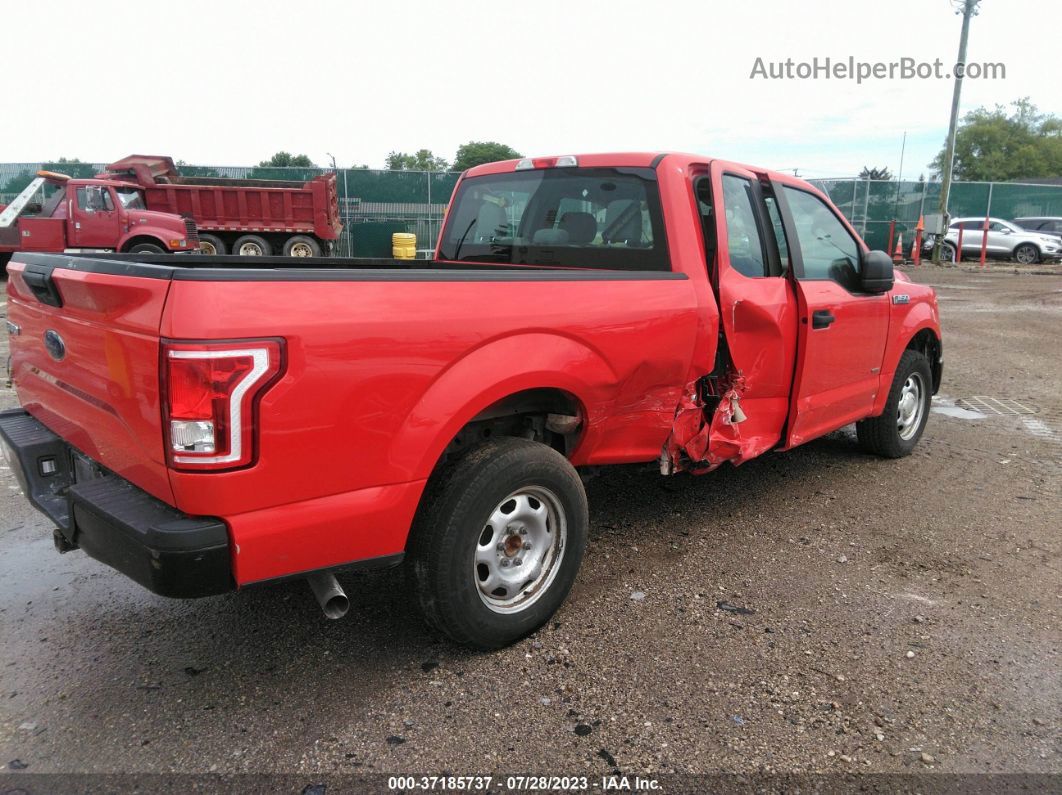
{"x":375,"y":203}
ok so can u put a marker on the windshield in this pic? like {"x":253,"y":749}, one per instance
{"x":131,"y":198}
{"x":580,"y":217}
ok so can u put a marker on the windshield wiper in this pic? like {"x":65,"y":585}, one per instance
{"x":461,"y":242}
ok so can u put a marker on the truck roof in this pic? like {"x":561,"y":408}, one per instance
{"x":625,"y":159}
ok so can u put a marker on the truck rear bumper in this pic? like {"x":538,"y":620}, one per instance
{"x":113,"y":521}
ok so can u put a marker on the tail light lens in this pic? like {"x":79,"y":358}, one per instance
{"x":211,"y":392}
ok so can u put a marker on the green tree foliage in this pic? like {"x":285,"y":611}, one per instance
{"x":287,"y":160}
{"x":421,"y":160}
{"x":875,"y":173}
{"x":476,"y":153}
{"x":995,"y":145}
{"x":284,"y":165}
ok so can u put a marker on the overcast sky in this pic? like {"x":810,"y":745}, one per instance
{"x":229,"y":83}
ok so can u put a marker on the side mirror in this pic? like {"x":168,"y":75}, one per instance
{"x":1005,"y":230}
{"x":877,"y":276}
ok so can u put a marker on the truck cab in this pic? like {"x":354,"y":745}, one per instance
{"x":58,"y":214}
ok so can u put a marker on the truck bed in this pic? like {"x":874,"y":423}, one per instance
{"x":384,"y":362}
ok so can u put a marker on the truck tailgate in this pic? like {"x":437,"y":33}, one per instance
{"x":85,"y":354}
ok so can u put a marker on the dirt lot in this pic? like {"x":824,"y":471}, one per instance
{"x":818,"y":610}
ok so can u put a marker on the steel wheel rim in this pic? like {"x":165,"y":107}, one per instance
{"x":207,"y":248}
{"x":250,"y":250}
{"x":911,"y":407}
{"x":301,"y":250}
{"x":528,"y":526}
{"x":1024,"y":255}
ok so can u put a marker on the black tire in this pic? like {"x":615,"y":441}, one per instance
{"x":147,"y":248}
{"x":252,"y":246}
{"x":453,"y":521}
{"x":882,"y":435}
{"x":5,"y":257}
{"x":296,"y":245}
{"x":212,"y":245}
{"x":1027,"y":254}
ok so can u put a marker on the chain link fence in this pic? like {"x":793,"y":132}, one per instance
{"x":374,"y":204}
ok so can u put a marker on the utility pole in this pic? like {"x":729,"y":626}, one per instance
{"x":967,"y":8}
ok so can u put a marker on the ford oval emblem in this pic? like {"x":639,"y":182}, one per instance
{"x":55,"y":345}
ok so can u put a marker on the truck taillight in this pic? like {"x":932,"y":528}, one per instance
{"x":210,"y":396}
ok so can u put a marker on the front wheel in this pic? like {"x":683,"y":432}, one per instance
{"x":497,"y":542}
{"x":1027,"y":254}
{"x":896,"y":431}
{"x":146,"y":248}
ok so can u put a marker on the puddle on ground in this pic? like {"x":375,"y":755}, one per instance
{"x":947,"y":407}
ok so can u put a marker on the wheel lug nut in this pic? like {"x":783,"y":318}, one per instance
{"x":518,"y":562}
{"x":505,"y":563}
{"x":523,"y":531}
{"x":500,"y":547}
{"x":527,"y":545}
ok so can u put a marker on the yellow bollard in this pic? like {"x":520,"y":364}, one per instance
{"x":404,"y":245}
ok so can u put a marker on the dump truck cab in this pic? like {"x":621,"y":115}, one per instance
{"x":58,"y":214}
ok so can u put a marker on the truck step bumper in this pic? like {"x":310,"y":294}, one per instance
{"x":113,"y":521}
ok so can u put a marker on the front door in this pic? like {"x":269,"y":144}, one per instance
{"x":757,"y":308}
{"x":94,"y":218}
{"x":842,"y":330}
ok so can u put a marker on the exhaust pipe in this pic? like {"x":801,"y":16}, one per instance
{"x":330,"y":595}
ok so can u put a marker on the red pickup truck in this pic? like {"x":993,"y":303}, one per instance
{"x":203,"y":425}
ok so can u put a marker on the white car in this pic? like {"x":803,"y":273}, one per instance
{"x":1006,"y":240}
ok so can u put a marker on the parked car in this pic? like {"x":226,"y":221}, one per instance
{"x":1006,"y":240}
{"x":1043,"y":224}
{"x":203,"y":425}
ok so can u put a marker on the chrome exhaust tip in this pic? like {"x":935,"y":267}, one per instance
{"x":330,"y":595}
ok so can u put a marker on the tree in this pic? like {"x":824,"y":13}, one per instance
{"x":875,"y":173}
{"x":421,"y":160}
{"x":994,"y":145}
{"x":287,"y":160}
{"x":476,"y":153}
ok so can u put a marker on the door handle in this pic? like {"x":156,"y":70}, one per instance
{"x":822,"y":318}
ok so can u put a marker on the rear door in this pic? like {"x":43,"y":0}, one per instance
{"x":95,"y":218}
{"x":842,"y":331}
{"x":85,"y":356}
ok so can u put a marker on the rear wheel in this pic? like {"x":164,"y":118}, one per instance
{"x":301,"y":246}
{"x":252,"y":246}
{"x":896,"y":431}
{"x":947,"y":253}
{"x":147,"y":248}
{"x":497,"y":542}
{"x":212,"y":245}
{"x":1027,"y":254}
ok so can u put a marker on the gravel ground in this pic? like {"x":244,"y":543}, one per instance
{"x":813,"y":611}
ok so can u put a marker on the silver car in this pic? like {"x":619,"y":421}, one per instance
{"x":1006,"y":240}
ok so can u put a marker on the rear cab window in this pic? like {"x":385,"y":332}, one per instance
{"x":607,"y":218}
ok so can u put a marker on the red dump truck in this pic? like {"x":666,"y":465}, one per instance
{"x":241,"y":216}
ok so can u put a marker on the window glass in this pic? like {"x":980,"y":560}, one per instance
{"x":582,"y":217}
{"x":131,"y":198}
{"x":743,"y":237}
{"x":94,"y":199}
{"x":973,"y":225}
{"x":828,"y":250}
{"x":779,"y":230}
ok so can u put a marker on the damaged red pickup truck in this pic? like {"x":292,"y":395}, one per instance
{"x":203,"y":425}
